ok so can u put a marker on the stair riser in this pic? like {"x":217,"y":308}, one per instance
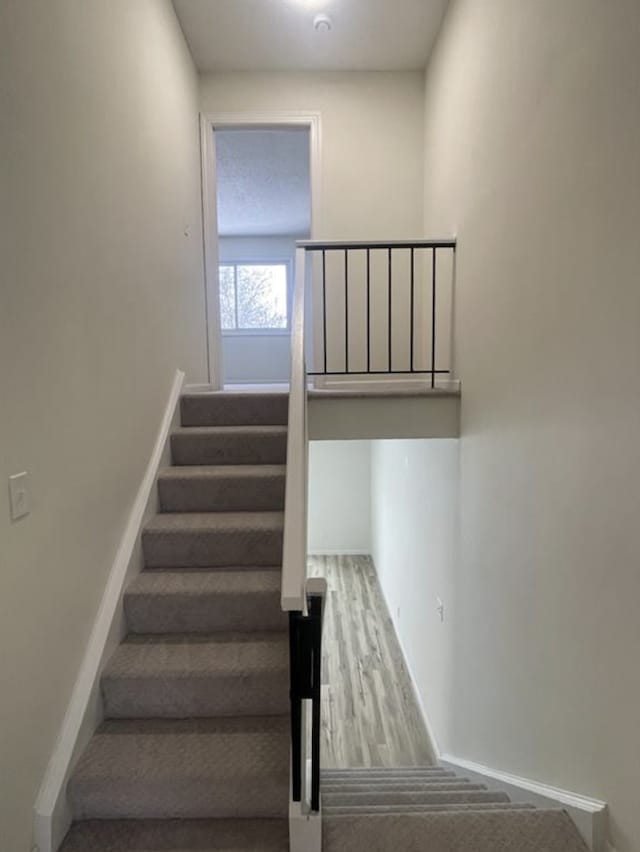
{"x":178,"y":836}
{"x":240,"y":494}
{"x":162,"y":698}
{"x":161,"y":614}
{"x":229,"y":449}
{"x":212,"y":549}
{"x":193,"y":798}
{"x":235,"y":410}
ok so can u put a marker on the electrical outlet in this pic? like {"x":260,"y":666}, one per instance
{"x":440,"y":608}
{"x":19,"y":495}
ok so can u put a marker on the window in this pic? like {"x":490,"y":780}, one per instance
{"x":254,"y":296}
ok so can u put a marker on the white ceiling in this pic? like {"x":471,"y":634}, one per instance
{"x":263,"y":182}
{"x":278,"y":35}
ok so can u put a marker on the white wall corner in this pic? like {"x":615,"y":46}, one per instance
{"x":589,"y":815}
{"x":52,"y":816}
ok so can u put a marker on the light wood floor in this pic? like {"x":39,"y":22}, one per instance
{"x":369,"y":713}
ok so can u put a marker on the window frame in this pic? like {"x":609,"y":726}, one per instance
{"x":258,"y":261}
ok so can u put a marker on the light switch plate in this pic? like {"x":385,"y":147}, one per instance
{"x":19,"y":495}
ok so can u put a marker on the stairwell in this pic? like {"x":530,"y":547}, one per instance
{"x":193,"y":753}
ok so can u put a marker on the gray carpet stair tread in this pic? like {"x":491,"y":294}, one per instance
{"x":383,"y":772}
{"x":234,"y":408}
{"x":219,"y":445}
{"x":227,"y":674}
{"x":204,"y":601}
{"x":193,"y":768}
{"x":395,"y":796}
{"x":206,"y":488}
{"x":373,"y":786}
{"x":466,"y":795}
{"x":202,"y":539}
{"x":506,"y":830}
{"x":221,"y":835}
{"x":346,"y":810}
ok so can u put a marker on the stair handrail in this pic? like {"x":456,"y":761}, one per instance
{"x":294,"y":555}
{"x":302,"y":598}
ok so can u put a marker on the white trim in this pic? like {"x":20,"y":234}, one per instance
{"x":339,"y":551}
{"x":401,"y":381}
{"x":239,"y":120}
{"x":294,"y":542}
{"x":210,"y":251}
{"x":589,"y":815}
{"x":200,"y":387}
{"x":84,"y":711}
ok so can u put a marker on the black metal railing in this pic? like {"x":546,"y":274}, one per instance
{"x":305,"y":656}
{"x":380,"y":254}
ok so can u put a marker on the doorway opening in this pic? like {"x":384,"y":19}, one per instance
{"x":260,"y":204}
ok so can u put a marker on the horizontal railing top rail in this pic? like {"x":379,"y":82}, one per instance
{"x":352,"y":245}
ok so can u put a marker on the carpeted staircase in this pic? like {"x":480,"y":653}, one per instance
{"x":432,"y":809}
{"x":194,"y":750}
{"x":193,"y":755}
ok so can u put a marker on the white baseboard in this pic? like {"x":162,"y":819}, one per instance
{"x":589,"y":815}
{"x":52,"y":817}
{"x":338,"y":551}
{"x":202,"y":387}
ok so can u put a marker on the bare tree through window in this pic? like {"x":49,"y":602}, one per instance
{"x":253,"y":296}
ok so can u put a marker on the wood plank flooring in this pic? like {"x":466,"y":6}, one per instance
{"x":369,"y":713}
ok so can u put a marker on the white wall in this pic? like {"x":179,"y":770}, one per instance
{"x":372,"y":158}
{"x":257,"y":356}
{"x":339,"y":497}
{"x":101,"y":299}
{"x":532,"y":141}
{"x":414,"y":493}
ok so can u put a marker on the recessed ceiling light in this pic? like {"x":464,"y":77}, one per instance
{"x":322,"y":23}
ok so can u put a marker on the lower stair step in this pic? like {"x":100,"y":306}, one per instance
{"x":507,"y":830}
{"x":204,"y":601}
{"x":465,"y":795}
{"x":336,"y":810}
{"x":228,"y":488}
{"x":229,"y":674}
{"x":366,"y":774}
{"x":220,"y":835}
{"x":184,"y":769}
{"x":229,"y":445}
{"x":210,"y":539}
{"x":391,"y":786}
{"x":398,"y":797}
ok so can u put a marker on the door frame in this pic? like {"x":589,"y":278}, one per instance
{"x":252,"y":120}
